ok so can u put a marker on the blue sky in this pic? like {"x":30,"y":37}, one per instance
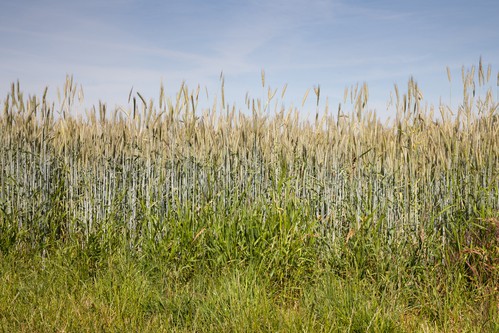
{"x":110,"y":46}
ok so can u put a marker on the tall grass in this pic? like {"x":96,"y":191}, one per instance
{"x":210,"y":188}
{"x":64,"y":174}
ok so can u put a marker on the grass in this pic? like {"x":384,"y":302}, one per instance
{"x":170,"y":219}
{"x":363,"y":286}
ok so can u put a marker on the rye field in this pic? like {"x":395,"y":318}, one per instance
{"x":164,"y":216}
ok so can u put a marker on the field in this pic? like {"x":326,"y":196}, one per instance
{"x":168,"y":217}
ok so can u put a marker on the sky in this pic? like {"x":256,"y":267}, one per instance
{"x":111,"y":46}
